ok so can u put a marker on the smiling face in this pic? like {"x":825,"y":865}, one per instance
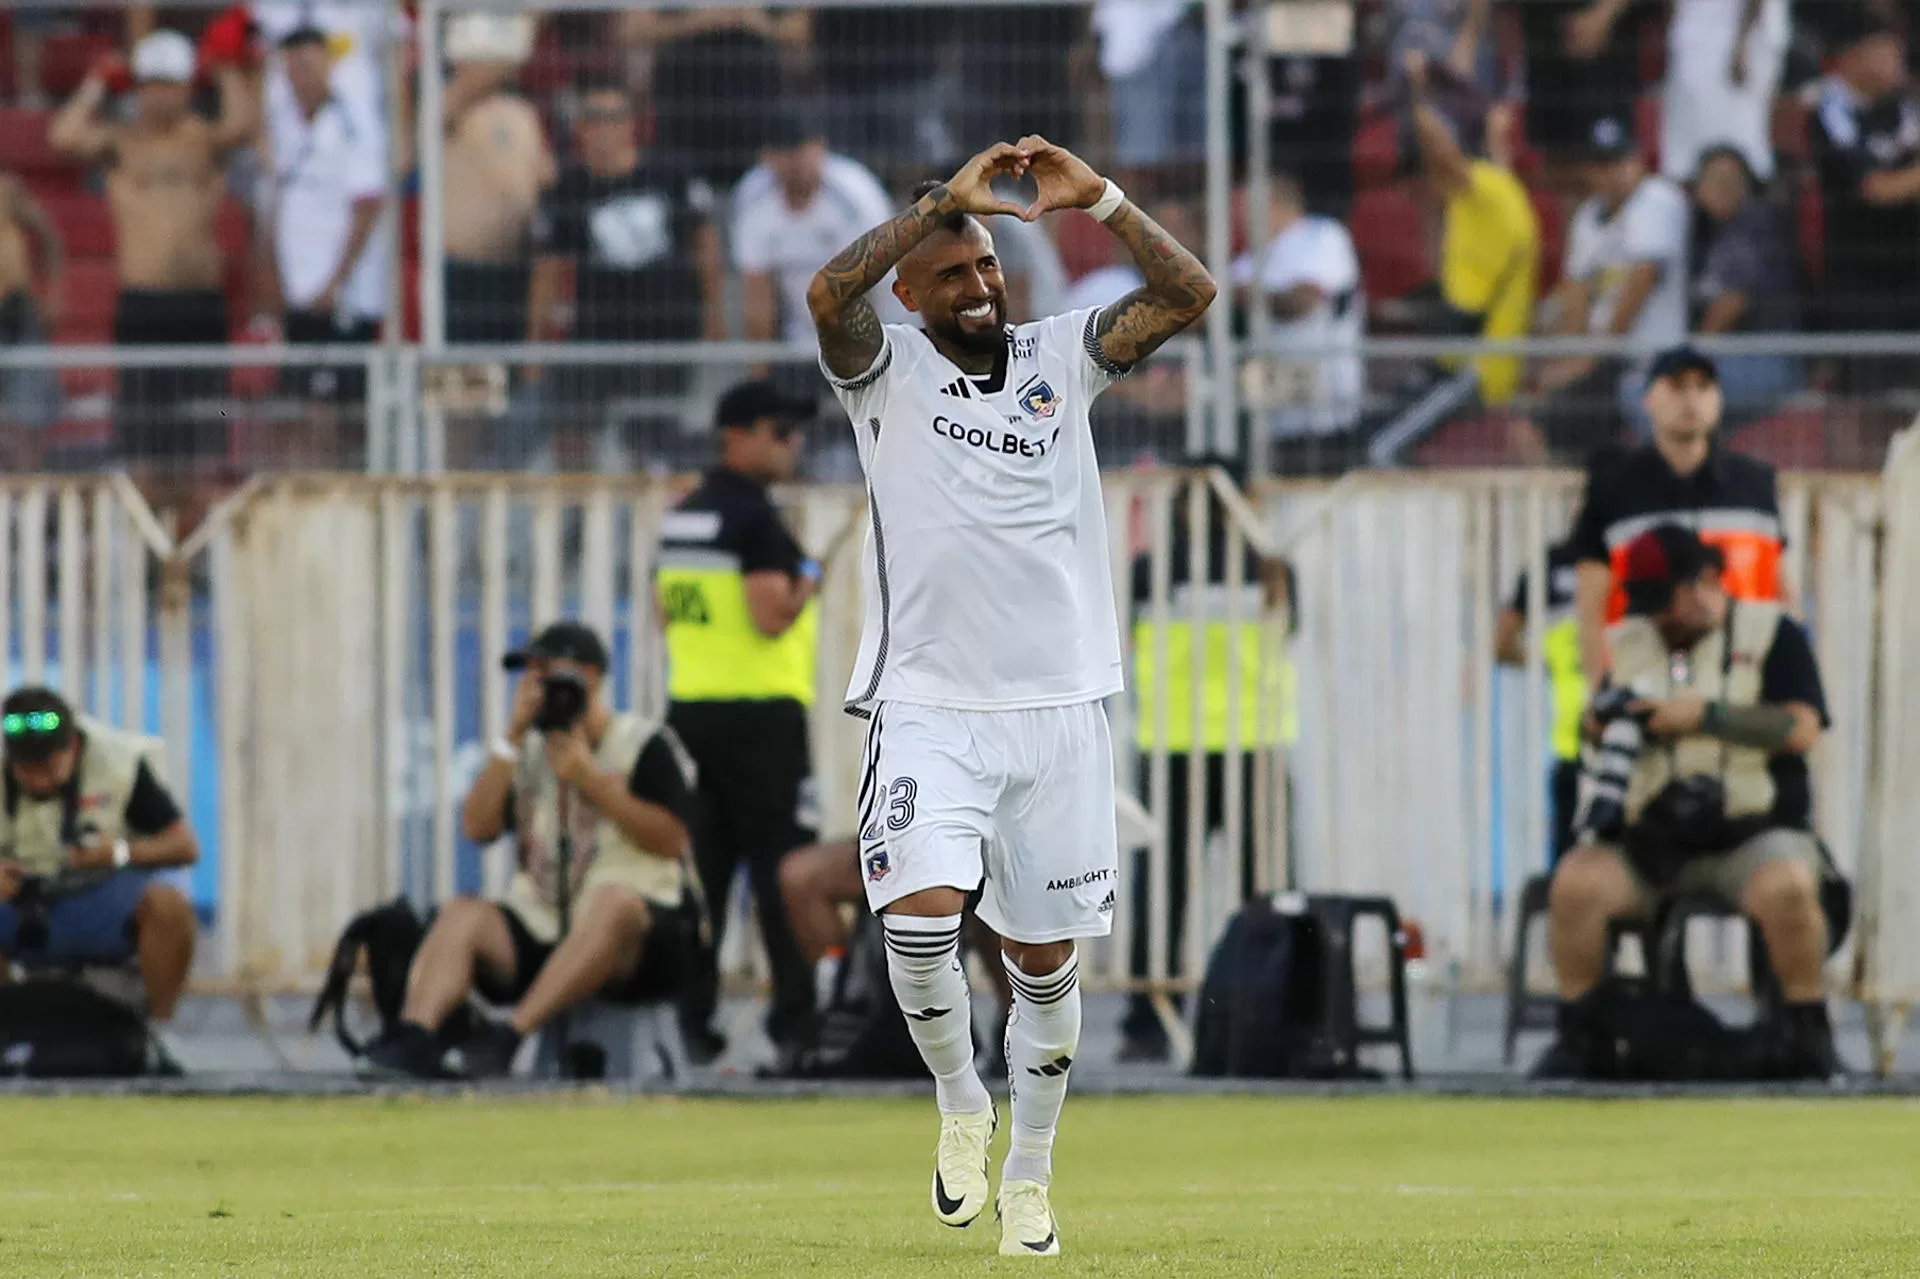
{"x":953,"y":280}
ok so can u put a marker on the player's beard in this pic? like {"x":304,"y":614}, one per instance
{"x":982,"y":341}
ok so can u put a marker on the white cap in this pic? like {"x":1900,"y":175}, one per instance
{"x":166,"y":56}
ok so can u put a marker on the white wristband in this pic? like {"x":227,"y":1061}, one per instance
{"x":502,"y":749}
{"x":122,"y":854}
{"x":1110,"y":200}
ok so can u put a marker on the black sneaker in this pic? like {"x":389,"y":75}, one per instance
{"x":703,"y":1044}
{"x":1807,"y":1050}
{"x":409,"y":1051}
{"x":489,"y":1051}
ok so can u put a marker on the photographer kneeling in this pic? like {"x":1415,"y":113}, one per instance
{"x":86,"y":824}
{"x":580,"y":783}
{"x":1698,"y":783}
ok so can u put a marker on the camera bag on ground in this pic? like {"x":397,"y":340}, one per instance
{"x":862,"y":1032}
{"x":1638,"y":1033}
{"x":1260,"y":1014}
{"x":57,"y":1028}
{"x":389,"y":935}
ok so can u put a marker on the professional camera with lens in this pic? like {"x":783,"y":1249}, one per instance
{"x":1687,"y":819}
{"x":563,"y":702}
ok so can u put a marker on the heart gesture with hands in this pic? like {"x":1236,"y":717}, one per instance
{"x":1064,"y":179}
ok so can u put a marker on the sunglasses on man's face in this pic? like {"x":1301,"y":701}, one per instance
{"x":31,"y":722}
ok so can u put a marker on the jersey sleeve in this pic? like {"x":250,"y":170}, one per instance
{"x":150,"y":808}
{"x":1072,"y":337}
{"x":658,"y":778}
{"x":1656,"y":226}
{"x":1582,"y":239}
{"x":864,"y":395}
{"x":752,"y":237}
{"x":1790,"y":673}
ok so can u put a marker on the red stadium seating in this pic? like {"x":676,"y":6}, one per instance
{"x":24,"y":149}
{"x":65,"y":60}
{"x":92,"y":288}
{"x":85,"y":223}
{"x":1794,"y":438}
{"x":1083,"y":243}
{"x":1470,"y":442}
{"x":1376,"y":150}
{"x":1387,"y":235}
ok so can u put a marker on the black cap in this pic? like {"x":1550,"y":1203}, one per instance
{"x":1676,"y":360}
{"x":562,"y":642}
{"x":306,"y":34}
{"x":36,"y":722}
{"x":1610,"y":138}
{"x":793,"y":126}
{"x":1659,"y":560}
{"x":748,"y":402}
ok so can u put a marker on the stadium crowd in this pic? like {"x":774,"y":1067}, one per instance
{"x":1443,"y":167}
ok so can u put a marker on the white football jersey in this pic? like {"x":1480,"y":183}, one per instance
{"x":988,"y":583}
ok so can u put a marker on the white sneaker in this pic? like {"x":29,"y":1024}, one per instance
{"x":960,"y":1166}
{"x":1026,"y":1221}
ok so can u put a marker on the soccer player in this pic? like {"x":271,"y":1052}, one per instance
{"x":991,"y":636}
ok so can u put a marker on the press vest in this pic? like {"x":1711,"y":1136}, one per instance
{"x":31,"y":831}
{"x":1265,"y":694}
{"x":1712,"y":672}
{"x":714,"y":651}
{"x":601,"y":851}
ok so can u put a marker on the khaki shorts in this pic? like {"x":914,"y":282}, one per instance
{"x":1726,"y":877}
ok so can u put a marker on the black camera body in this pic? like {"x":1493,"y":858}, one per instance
{"x":563,"y":702}
{"x":31,"y":930}
{"x":1686,"y":820}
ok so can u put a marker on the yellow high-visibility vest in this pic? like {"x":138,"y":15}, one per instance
{"x":1569,"y":686}
{"x":1266,"y":688}
{"x":714,"y":651}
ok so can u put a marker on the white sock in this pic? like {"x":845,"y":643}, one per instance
{"x":923,"y":966}
{"x":1043,"y":1033}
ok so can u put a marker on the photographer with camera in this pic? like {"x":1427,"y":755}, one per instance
{"x":1696,"y":781}
{"x":602,"y":903}
{"x":87,"y":823}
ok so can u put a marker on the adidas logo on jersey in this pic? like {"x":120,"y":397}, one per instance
{"x":960,"y":389}
{"x":1106,"y":903}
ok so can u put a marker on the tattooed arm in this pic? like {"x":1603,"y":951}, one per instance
{"x":1178,"y":289}
{"x":1176,"y":293}
{"x":849,"y":329}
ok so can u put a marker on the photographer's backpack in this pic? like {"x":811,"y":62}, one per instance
{"x":56,"y":1028}
{"x":1261,"y":1013}
{"x":389,"y":935}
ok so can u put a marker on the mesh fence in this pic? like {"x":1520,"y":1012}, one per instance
{"x":660,"y":174}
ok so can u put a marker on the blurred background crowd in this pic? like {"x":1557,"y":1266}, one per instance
{"x":1438,"y":169}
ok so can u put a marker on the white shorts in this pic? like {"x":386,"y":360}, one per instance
{"x":1018,"y":803}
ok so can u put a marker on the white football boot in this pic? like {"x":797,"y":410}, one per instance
{"x":960,"y":1166}
{"x":1026,"y":1221}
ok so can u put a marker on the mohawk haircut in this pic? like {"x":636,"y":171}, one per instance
{"x":954,"y":222}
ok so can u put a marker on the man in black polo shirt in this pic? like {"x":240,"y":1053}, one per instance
{"x":1866,"y":134}
{"x":1683,"y":477}
{"x":736,"y":599}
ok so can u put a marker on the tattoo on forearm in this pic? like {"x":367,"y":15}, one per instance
{"x":1176,"y":293}
{"x":850,"y":330}
{"x":1765,"y":728}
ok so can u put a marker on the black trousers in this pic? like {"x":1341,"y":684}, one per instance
{"x":1140,"y":1017}
{"x":753,"y":760}
{"x":1563,"y":792}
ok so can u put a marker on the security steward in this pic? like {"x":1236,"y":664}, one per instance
{"x":1201,"y":618}
{"x":736,"y":594}
{"x":1716,"y":797}
{"x":87,"y":824}
{"x":1684,"y":477}
{"x":1566,"y":681}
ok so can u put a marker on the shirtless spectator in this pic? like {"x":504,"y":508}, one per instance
{"x":164,"y":185}
{"x":29,"y":397}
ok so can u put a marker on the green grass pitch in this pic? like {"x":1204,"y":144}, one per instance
{"x":568,"y":1189}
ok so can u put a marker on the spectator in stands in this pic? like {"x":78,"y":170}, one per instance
{"x":497,"y":163}
{"x":634,"y":230}
{"x":358,"y":35}
{"x":792,"y":212}
{"x":1724,"y":62}
{"x":1626,"y":277}
{"x":29,"y":398}
{"x":716,"y":79}
{"x":89,"y":823}
{"x":892,"y":83}
{"x":623,"y":792}
{"x":1313,"y":99}
{"x":1582,"y":67}
{"x":1866,"y":133}
{"x":164,"y":185}
{"x":1153,"y":54}
{"x":328,"y":266}
{"x":1308,"y":278}
{"x":1152,"y":400}
{"x":1744,"y":278}
{"x":1489,"y":266}
{"x":1454,"y":37}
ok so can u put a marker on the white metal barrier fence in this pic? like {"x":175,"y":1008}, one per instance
{"x":353,"y":628}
